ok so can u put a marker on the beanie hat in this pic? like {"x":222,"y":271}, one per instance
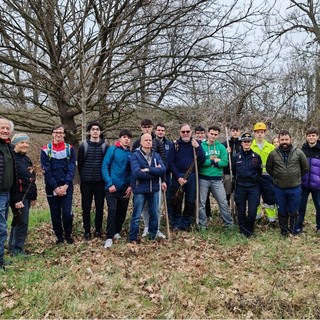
{"x":18,"y":137}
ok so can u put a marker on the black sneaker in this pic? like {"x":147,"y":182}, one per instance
{"x":59,"y":241}
{"x":87,"y":235}
{"x":70,"y":240}
{"x":98,"y":234}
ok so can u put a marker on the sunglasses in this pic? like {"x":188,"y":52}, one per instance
{"x":185,"y":131}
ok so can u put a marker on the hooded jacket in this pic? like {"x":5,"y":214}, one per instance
{"x":311,"y":180}
{"x":116,"y":167}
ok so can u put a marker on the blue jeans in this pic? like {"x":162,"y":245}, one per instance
{"x":61,"y":206}
{"x":247,"y":195}
{"x":19,"y":230}
{"x":303,"y":205}
{"x":4,"y":209}
{"x":139,"y":201}
{"x":288,"y":202}
{"x":217,"y":190}
{"x":117,"y":210}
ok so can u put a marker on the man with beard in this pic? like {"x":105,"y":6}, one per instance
{"x":286,"y":165}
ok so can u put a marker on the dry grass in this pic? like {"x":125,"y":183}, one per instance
{"x":217,"y":274}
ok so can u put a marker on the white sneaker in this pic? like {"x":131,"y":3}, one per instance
{"x":108,"y":243}
{"x":145,"y":232}
{"x":160,"y":235}
{"x":117,"y":236}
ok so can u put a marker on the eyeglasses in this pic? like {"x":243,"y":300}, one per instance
{"x":58,"y":132}
{"x":185,"y":131}
{"x":94,"y":129}
{"x":146,"y":127}
{"x":246,"y":141}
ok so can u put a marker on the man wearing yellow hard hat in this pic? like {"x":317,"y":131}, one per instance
{"x":262,"y":147}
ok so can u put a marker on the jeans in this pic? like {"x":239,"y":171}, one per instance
{"x":218,"y":192}
{"x":88,"y":191}
{"x":247,"y":195}
{"x":288,"y":201}
{"x":19,"y":229}
{"x":303,"y":206}
{"x":61,"y":206}
{"x":117,"y":210}
{"x":183,"y":220}
{"x":4,"y":209}
{"x":139,"y":201}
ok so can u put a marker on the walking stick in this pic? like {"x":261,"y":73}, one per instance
{"x":232,"y":204}
{"x":166,"y":214}
{"x":197,"y":185}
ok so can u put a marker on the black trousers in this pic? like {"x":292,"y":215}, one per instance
{"x":89,"y":191}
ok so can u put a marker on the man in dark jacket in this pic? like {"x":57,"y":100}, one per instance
{"x":58,"y":161}
{"x":311,"y":180}
{"x":247,"y":170}
{"x":181,"y":161}
{"x":90,"y":157}
{"x":286,"y":165}
{"x":146,"y":169}
{"x":7,"y":178}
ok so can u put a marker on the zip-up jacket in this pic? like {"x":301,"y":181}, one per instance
{"x":181,"y":157}
{"x":246,"y":168}
{"x":211,"y":169}
{"x":235,"y":146}
{"x":264,"y":153}
{"x":89,"y":163}
{"x":146,"y":182}
{"x":311,"y":180}
{"x":287,"y":169}
{"x":116,"y":167}
{"x":25,"y":181}
{"x":59,"y":167}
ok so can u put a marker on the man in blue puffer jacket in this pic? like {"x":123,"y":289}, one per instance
{"x":146,"y":169}
{"x":311,"y":180}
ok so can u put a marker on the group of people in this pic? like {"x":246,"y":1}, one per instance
{"x":184,"y":171}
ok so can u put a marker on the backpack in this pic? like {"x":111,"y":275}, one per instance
{"x":49,"y":147}
{"x":85,"y":147}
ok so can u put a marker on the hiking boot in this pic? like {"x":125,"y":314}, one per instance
{"x":87,"y":236}
{"x":98,"y":234}
{"x":108,"y":244}
{"x":2,"y":267}
{"x":69,"y":240}
{"x":59,"y":241}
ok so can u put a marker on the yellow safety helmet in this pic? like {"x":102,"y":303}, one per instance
{"x":259,"y":126}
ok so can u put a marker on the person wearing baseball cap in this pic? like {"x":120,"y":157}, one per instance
{"x":247,"y":170}
{"x":262,"y":147}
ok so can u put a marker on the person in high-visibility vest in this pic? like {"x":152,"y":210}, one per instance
{"x":263,"y":148}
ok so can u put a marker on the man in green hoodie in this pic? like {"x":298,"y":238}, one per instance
{"x":210,"y":177}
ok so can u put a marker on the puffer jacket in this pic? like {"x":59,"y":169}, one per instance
{"x":311,"y":180}
{"x":287,"y":176}
{"x":25,"y":181}
{"x":89,"y":164}
{"x":145,"y":182}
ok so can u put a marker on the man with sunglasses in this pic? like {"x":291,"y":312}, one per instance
{"x":247,"y":171}
{"x":210,"y":177}
{"x":58,"y":161}
{"x":181,"y":161}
